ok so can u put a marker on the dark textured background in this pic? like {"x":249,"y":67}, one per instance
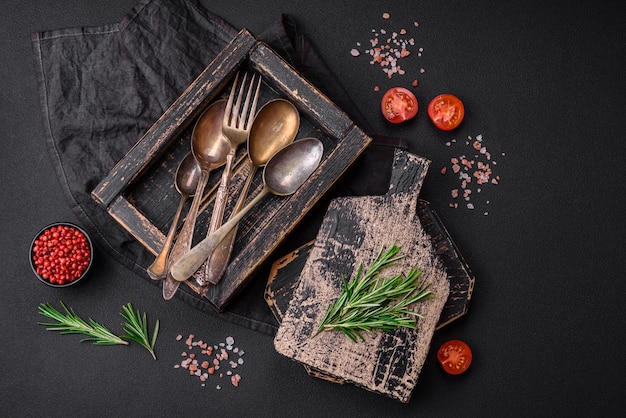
{"x":541,"y":82}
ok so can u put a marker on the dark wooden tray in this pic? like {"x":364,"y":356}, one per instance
{"x":139,"y":191}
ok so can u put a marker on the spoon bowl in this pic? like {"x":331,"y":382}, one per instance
{"x":284,"y":173}
{"x":185,"y":180}
{"x":275,"y":126}
{"x":208,"y":145}
{"x":187,"y":176}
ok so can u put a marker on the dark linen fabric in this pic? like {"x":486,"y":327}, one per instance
{"x":102,"y":87}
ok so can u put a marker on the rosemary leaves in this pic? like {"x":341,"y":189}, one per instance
{"x":371,"y":302}
{"x":136,"y":327}
{"x":70,"y":323}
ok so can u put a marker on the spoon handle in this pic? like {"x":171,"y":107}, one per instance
{"x":219,"y":259}
{"x":185,"y":237}
{"x":220,"y":199}
{"x":187,"y":265}
{"x":156,"y":270}
{"x":217,"y":216}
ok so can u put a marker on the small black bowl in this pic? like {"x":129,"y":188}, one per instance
{"x":61,"y":254}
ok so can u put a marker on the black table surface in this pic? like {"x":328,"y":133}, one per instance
{"x":542,"y":84}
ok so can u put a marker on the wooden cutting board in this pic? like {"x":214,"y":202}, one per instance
{"x":352,"y":232}
{"x":407,"y":175}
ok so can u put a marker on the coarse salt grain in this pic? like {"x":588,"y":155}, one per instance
{"x":203,"y":368}
{"x":386,"y":51}
{"x":472,"y":172}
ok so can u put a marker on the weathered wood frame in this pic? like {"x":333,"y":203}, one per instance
{"x":343,"y":143}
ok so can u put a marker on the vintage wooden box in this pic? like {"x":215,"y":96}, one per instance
{"x":139,"y":191}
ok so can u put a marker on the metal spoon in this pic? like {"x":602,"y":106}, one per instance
{"x":275,"y":126}
{"x":209,"y":148}
{"x":284,"y":173}
{"x":186,"y":181}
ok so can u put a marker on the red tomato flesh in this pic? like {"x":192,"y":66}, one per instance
{"x":455,"y":356}
{"x":399,"y":105}
{"x":446,"y":111}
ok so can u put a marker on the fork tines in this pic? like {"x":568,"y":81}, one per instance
{"x":232,"y":117}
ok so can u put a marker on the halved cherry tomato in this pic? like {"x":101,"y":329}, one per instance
{"x":455,"y":356}
{"x":446,"y":111}
{"x":398,"y":105}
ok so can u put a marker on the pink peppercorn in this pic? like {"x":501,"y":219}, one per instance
{"x":61,"y":254}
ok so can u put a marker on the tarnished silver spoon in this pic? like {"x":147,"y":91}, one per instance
{"x":284,"y":173}
{"x":209,"y":148}
{"x":186,"y":181}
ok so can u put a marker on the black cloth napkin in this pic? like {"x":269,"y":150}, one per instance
{"x":102,"y":87}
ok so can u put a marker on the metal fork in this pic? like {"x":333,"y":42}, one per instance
{"x":236,"y":126}
{"x":237,"y":119}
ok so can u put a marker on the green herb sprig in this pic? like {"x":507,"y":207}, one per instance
{"x":136,"y":328}
{"x":70,"y":323}
{"x":371,"y":302}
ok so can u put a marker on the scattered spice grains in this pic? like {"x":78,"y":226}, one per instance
{"x":474,"y":169}
{"x":388,"y":47}
{"x":203,"y":360}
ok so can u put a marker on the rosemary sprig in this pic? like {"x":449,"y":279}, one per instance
{"x":136,"y":328}
{"x":370,"y":301}
{"x":70,"y":323}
